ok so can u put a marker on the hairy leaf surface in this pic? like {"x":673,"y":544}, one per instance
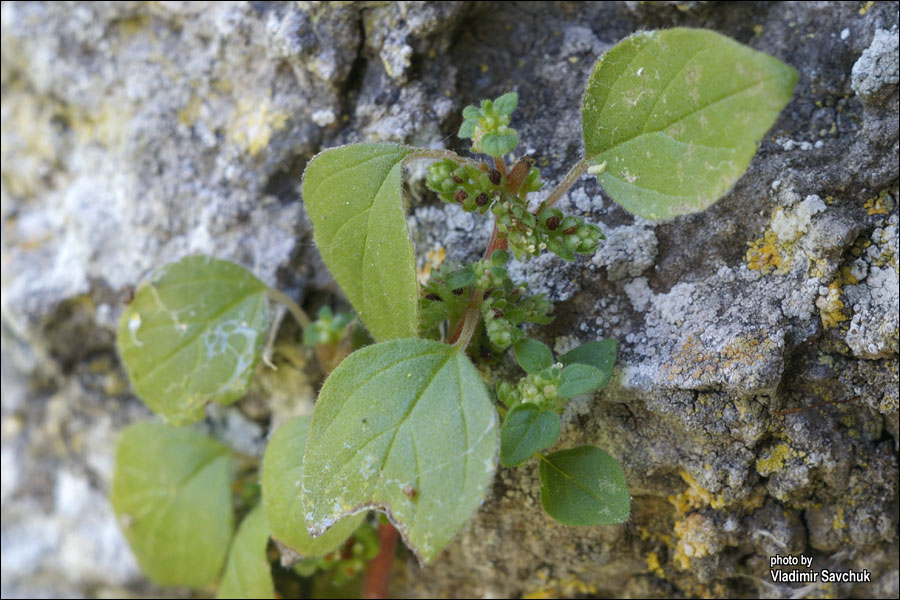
{"x":584,"y":486}
{"x":406,"y":426}
{"x":676,"y":116}
{"x":353,"y":197}
{"x":192,"y":335}
{"x":247,"y":571}
{"x":283,"y":501}
{"x":172,"y":497}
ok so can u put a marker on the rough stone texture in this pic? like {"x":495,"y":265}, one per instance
{"x":755,"y":409}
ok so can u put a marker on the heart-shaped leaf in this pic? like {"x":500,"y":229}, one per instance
{"x":247,"y":571}
{"x":525,"y":431}
{"x":584,"y":486}
{"x":353,"y":197}
{"x":172,"y":497}
{"x":192,"y":335}
{"x":407,"y":427}
{"x":673,"y":117}
{"x":282,"y":495}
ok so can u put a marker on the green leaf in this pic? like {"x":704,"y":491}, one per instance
{"x":282,"y":498}
{"x":461,"y":278}
{"x":466,"y":130}
{"x":584,"y":486}
{"x":353,"y":197}
{"x":406,"y":427}
{"x":600,"y":355}
{"x":577,"y":379}
{"x":676,"y":115}
{"x":171,"y":495}
{"x":498,"y":144}
{"x":247,"y":571}
{"x":525,"y":431}
{"x":506,"y":103}
{"x":532,"y":355}
{"x":471,"y":113}
{"x":193,"y":335}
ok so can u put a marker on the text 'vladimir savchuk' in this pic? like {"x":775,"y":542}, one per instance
{"x":820,"y":576}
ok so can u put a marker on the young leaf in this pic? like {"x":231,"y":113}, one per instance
{"x":172,"y":497}
{"x":525,"y":431}
{"x":247,"y":571}
{"x":499,"y":144}
{"x":584,"y":486}
{"x":506,"y":103}
{"x":193,"y":335}
{"x":532,"y":355}
{"x":676,"y":115}
{"x":407,"y":427}
{"x":282,"y":497}
{"x":577,"y":379}
{"x":600,"y":354}
{"x":353,"y":197}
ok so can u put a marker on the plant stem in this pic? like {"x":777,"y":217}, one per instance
{"x":500,"y":165}
{"x":378,"y":573}
{"x":301,"y":317}
{"x":439,"y":153}
{"x":571,"y":177}
{"x":467,"y":325}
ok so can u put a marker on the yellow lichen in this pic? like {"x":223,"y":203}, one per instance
{"x":434,"y":258}
{"x":830,"y":306}
{"x":838,"y":522}
{"x":775,"y":459}
{"x":694,"y":540}
{"x":652,"y":560}
{"x":866,"y":7}
{"x":880,"y":204}
{"x":190,"y":112}
{"x":762,"y":255}
{"x":253,"y":124}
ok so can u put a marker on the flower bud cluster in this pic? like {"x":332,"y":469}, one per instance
{"x":328,"y":329}
{"x":469,"y":186}
{"x":540,"y":389}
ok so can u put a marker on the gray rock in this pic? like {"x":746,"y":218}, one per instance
{"x":755,"y":403}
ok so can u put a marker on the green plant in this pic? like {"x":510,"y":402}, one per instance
{"x":407,"y":425}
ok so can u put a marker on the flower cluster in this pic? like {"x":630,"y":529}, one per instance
{"x":540,"y":389}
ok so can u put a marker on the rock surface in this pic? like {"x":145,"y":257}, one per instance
{"x":755,"y":410}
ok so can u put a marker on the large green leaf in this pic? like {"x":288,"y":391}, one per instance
{"x":285,"y":509}
{"x":171,"y":494}
{"x":247,"y":571}
{"x":408,"y":427}
{"x":525,"y":431}
{"x":353,"y":197}
{"x":584,"y":486}
{"x":193,"y":334}
{"x":676,"y":116}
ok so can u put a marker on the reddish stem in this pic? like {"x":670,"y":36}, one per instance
{"x":500,"y":165}
{"x":378,"y":573}
{"x":472,"y":312}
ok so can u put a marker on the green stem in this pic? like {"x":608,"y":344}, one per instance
{"x":301,"y":317}
{"x":571,"y":177}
